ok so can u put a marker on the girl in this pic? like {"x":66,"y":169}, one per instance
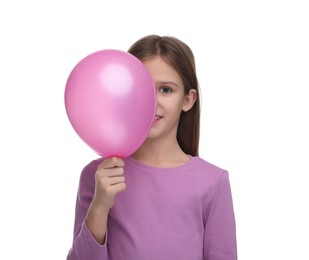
{"x":163,"y":201}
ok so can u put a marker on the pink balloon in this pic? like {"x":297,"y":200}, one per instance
{"x":110,"y":100}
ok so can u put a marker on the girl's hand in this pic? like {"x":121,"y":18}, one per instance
{"x":109,"y":181}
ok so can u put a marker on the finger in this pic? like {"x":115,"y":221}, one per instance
{"x":111,"y":163}
{"x":103,"y":173}
{"x":115,"y":180}
{"x":119,"y":187}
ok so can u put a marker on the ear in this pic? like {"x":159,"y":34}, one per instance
{"x":189,"y":100}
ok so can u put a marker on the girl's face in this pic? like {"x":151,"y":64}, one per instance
{"x":171,"y":99}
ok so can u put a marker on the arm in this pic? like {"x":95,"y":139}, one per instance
{"x":84,"y":245}
{"x":220,"y":231}
{"x":99,"y":183}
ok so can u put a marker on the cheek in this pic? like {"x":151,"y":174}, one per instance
{"x":171,"y":104}
{"x":177,"y":107}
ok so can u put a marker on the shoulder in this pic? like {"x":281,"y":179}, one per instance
{"x":92,"y":165}
{"x":213,"y":179}
{"x":205,"y":167}
{"x":88,"y":172}
{"x":207,"y":173}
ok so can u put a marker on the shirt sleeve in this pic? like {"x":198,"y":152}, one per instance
{"x":84,"y":246}
{"x":220,"y":230}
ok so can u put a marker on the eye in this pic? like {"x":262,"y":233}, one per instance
{"x":165,"y":89}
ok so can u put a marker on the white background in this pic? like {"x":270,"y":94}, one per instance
{"x":253,"y":66}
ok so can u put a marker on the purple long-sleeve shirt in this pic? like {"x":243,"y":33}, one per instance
{"x":185,"y":212}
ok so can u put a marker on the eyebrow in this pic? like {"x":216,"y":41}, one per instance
{"x":167,"y":82}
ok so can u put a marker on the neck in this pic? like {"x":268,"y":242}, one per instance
{"x":161,"y":153}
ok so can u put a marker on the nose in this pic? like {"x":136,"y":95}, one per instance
{"x":158,"y":99}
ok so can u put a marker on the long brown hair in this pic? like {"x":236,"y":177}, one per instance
{"x":181,"y":58}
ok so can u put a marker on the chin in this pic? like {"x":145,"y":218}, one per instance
{"x":153,"y":133}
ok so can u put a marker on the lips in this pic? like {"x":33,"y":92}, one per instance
{"x":157,"y":117}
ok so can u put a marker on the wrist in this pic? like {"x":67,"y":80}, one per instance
{"x":100,"y":206}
